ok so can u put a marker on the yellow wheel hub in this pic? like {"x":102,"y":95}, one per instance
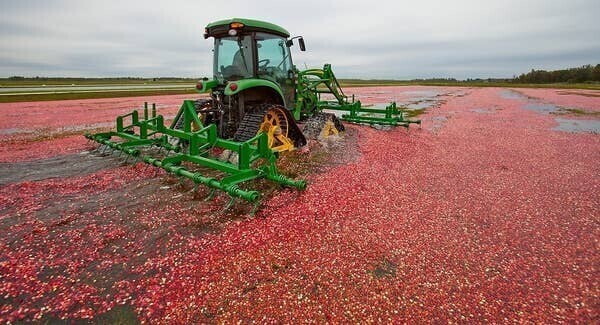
{"x":275,"y":125}
{"x":329,"y":129}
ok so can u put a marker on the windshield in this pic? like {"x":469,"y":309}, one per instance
{"x":233,"y":58}
{"x":274,"y":59}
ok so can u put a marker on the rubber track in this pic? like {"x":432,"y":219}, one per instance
{"x":251,"y":123}
{"x":248,"y":126}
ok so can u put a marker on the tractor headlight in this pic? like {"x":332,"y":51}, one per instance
{"x":232,"y":32}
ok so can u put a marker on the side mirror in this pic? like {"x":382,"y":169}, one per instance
{"x":301,"y":43}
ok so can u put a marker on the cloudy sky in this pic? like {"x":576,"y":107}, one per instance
{"x":363,"y":39}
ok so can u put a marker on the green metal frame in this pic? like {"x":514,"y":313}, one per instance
{"x":151,"y":131}
{"x":313,"y":83}
{"x":244,"y":84}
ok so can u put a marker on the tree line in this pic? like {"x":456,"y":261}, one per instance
{"x":586,"y":73}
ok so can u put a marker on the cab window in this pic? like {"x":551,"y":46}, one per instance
{"x":233,"y":58}
{"x":274,"y":59}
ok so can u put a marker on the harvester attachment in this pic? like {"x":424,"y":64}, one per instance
{"x":314,"y":83}
{"x":390,"y":115}
{"x":193,"y":146}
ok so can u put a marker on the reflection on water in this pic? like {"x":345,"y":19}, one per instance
{"x":564,"y":124}
{"x":420,"y":104}
{"x":541,"y":107}
{"x":511,"y":94}
{"x":577,"y":126}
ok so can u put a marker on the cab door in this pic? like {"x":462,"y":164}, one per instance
{"x":274,"y":63}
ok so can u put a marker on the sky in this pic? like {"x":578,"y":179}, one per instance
{"x":361,"y":39}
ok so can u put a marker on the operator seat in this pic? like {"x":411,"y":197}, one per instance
{"x":237,"y":68}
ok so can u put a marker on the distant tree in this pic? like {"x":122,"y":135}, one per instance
{"x":596,"y":73}
{"x":580,"y":74}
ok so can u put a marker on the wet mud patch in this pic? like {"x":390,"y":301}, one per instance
{"x":121,"y":315}
{"x":97,"y":241}
{"x":385,"y":269}
{"x":42,"y":134}
{"x":483,"y":110}
{"x":56,"y":167}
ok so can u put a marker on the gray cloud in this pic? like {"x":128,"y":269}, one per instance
{"x":376,"y":39}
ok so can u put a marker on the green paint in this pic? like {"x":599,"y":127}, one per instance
{"x":252,"y":23}
{"x":151,"y":131}
{"x":244,"y":84}
{"x":208,"y":86}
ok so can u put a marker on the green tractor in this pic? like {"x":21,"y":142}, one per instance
{"x":260,"y":104}
{"x":255,"y":85}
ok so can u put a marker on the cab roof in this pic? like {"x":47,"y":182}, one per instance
{"x":215,"y":28}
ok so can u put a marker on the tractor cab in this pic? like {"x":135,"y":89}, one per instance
{"x":246,"y":49}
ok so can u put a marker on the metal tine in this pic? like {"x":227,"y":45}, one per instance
{"x":210,"y":195}
{"x":153,"y":168}
{"x":146,"y":166}
{"x":132,"y":162}
{"x":229,"y":204}
{"x":255,"y":207}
